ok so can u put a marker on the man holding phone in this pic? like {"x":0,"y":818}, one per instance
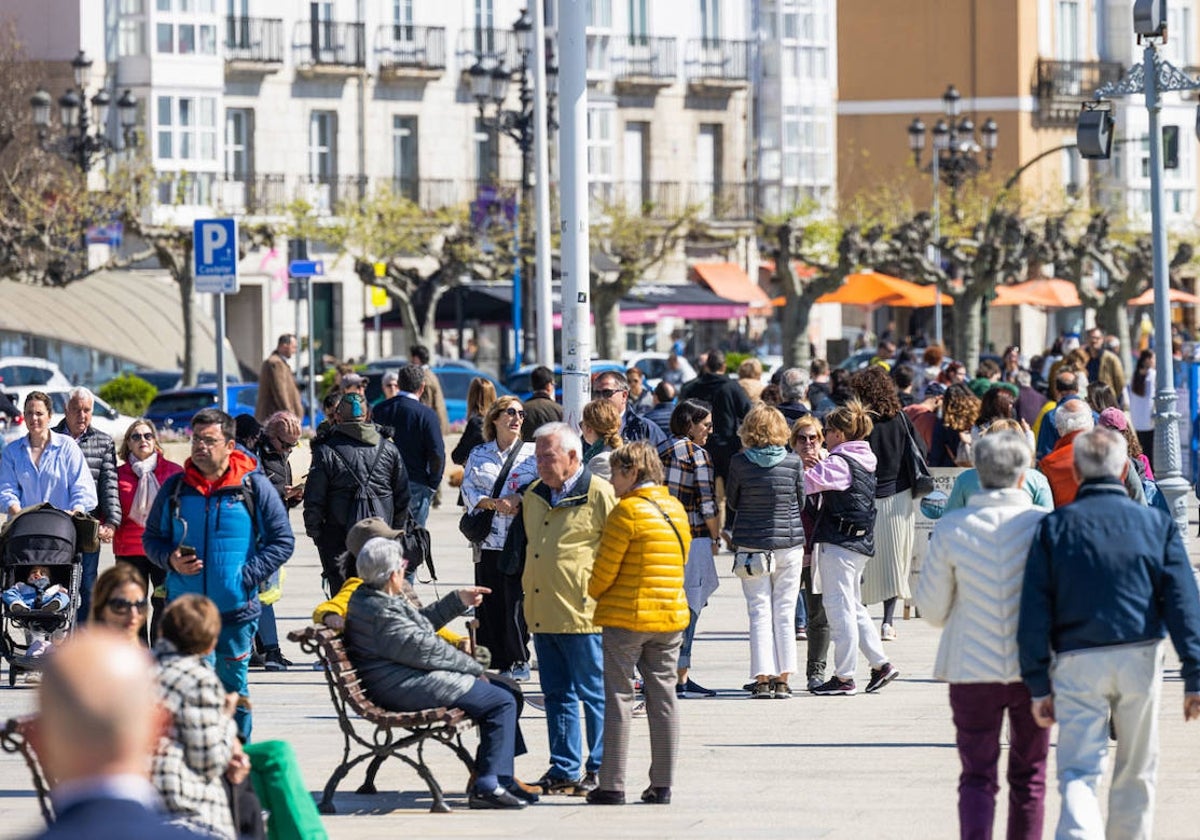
{"x":220,"y":529}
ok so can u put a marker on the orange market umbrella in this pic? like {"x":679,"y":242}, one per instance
{"x":1053,"y":294}
{"x":1146,"y":298}
{"x":869,"y":288}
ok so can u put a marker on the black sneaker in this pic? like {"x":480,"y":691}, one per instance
{"x":587,"y":784}
{"x":548,"y":785}
{"x":834,"y":686}
{"x":693,"y":687}
{"x":761,"y":691}
{"x":881,"y":676}
{"x":750,"y":685}
{"x":274,"y":660}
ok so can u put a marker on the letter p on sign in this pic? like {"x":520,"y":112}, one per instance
{"x":215,"y":253}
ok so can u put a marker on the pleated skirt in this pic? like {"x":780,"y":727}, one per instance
{"x":888,"y":572}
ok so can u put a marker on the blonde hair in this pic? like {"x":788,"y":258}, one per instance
{"x":494,"y":411}
{"x":602,"y":417}
{"x":750,"y":369}
{"x":852,"y":420}
{"x":481,"y":393}
{"x":763,"y":426}
{"x":641,"y":458}
{"x":808,"y":421}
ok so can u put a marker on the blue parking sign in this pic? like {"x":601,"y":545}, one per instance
{"x":215,"y":256}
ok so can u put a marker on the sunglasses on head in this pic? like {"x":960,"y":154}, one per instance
{"x":514,"y":412}
{"x":123,"y":606}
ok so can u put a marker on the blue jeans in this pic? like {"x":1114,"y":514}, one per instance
{"x":420,"y":498}
{"x":571,"y":669}
{"x":231,"y":660}
{"x":91,"y":566}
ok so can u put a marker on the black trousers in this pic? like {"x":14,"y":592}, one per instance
{"x":501,"y":616}
{"x":331,"y":545}
{"x":818,"y":627}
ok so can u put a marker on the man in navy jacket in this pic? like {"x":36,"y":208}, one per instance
{"x":1105,"y":578}
{"x":417,"y":433}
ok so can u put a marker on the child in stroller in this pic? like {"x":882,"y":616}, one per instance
{"x":35,"y":594}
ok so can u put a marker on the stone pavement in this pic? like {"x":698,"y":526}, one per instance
{"x":829,"y":767}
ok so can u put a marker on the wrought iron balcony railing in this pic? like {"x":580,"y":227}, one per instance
{"x":254,"y":40}
{"x":1063,"y":85}
{"x":325,"y":43}
{"x":403,"y":48}
{"x":717,"y":62}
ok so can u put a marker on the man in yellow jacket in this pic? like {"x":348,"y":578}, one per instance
{"x":564,"y":514}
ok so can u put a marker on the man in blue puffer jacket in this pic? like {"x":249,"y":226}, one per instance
{"x":219,"y":529}
{"x":1105,"y":580}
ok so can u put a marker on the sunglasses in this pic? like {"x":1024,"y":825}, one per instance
{"x":123,"y":606}
{"x":608,"y":393}
{"x":514,"y":412}
{"x":808,"y":438}
{"x":287,"y":446}
{"x":142,"y":436}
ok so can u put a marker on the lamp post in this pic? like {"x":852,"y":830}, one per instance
{"x":85,"y":131}
{"x":1153,"y":77}
{"x":954,"y":161}
{"x":490,"y":89}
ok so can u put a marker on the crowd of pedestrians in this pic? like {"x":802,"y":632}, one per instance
{"x":600,"y":551}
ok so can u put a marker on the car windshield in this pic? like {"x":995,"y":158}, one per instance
{"x":173,"y":403}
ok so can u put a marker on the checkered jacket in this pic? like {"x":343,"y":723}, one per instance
{"x":691,"y":480}
{"x":192,"y":757}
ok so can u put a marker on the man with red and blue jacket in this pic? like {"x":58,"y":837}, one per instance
{"x":219,"y":529}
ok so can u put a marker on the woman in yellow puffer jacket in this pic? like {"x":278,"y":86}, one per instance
{"x":637,"y":583}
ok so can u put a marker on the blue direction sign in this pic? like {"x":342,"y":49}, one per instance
{"x":215,"y":255}
{"x":306,"y":268}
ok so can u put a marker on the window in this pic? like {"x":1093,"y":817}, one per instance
{"x":187,"y":38}
{"x":186,"y":128}
{"x":133,"y":7}
{"x":131,"y":37}
{"x":710,"y":20}
{"x":163,"y":5}
{"x":1179,"y":48}
{"x":485,"y":35}
{"x":600,"y":142}
{"x":165,"y":33}
{"x":188,"y":34}
{"x":639,"y":27}
{"x":404,"y":156}
{"x":322,"y":139}
{"x":599,"y":14}
{"x":402,"y":18}
{"x":1066,"y":26}
{"x":487,"y":153}
{"x":238,"y":166}
{"x":237,"y":8}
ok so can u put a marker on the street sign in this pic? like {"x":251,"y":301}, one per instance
{"x":215,"y":256}
{"x":110,"y":234}
{"x":306,"y":268}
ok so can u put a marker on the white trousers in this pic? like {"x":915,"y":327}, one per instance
{"x":1124,"y":681}
{"x":771,"y":605}
{"x":850,"y":624}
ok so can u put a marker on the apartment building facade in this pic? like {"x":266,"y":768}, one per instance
{"x":248,"y":105}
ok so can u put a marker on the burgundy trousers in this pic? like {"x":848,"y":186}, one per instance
{"x":978,"y":710}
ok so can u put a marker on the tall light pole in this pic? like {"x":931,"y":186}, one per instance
{"x":954,"y":161}
{"x":1153,"y":77}
{"x":490,"y":88}
{"x":85,"y":131}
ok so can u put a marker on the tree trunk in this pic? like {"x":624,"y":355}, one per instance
{"x":606,"y":312}
{"x":1113,"y":318}
{"x":796,"y":348}
{"x":187,"y":301}
{"x":967,"y":329}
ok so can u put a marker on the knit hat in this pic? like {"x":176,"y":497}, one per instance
{"x":1114,"y":418}
{"x":352,"y":407}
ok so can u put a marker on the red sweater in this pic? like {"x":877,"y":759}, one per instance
{"x":127,"y":542}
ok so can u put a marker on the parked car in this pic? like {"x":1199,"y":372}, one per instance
{"x":16,"y":371}
{"x":172,"y":378}
{"x":174,"y":409}
{"x":104,"y":417}
{"x":455,"y":381}
{"x":518,"y":380}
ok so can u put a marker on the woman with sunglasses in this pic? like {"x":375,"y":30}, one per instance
{"x":812,"y":627}
{"x":144,"y":470}
{"x":501,"y":620}
{"x":119,"y":601}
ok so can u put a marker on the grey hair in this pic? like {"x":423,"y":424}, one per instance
{"x":1073,"y":416}
{"x":568,"y":438}
{"x":1100,"y":453}
{"x":1001,"y":459}
{"x":1024,"y":379}
{"x":793,"y":384}
{"x":377,"y":560}
{"x":80,"y":394}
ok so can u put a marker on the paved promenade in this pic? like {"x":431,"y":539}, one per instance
{"x":828,"y":767}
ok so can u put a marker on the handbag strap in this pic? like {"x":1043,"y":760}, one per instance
{"x":362,"y":485}
{"x":507,"y":468}
{"x":669,"y":522}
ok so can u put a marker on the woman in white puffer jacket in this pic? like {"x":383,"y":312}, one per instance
{"x":970,"y":583}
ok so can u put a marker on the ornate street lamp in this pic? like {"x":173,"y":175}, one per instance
{"x":85,"y":130}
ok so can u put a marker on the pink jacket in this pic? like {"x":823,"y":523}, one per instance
{"x":834,"y":473}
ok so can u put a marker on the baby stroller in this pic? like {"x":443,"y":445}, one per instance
{"x":40,"y":536}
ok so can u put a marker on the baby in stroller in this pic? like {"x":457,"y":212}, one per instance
{"x":36,"y":594}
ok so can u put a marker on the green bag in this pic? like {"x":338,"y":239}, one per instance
{"x":277,"y":780}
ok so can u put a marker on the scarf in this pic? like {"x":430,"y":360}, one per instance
{"x":766,"y":456}
{"x":147,"y":488}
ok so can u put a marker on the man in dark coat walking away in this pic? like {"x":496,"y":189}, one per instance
{"x":729,"y":406}
{"x":418,"y":435}
{"x":540,"y":408}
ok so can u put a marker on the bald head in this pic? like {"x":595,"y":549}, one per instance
{"x":100,"y":713}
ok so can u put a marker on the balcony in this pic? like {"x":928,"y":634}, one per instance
{"x":640,"y":63}
{"x":1063,"y":86}
{"x":717,"y":66}
{"x":328,"y":193}
{"x":253,"y":45}
{"x":411,"y":52}
{"x":488,"y":47}
{"x":326,"y":48}
{"x":251,"y":194}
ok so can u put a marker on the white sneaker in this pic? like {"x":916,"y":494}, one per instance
{"x":887,"y":633}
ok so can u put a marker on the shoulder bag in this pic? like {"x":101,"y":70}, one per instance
{"x":918,"y":471}
{"x":476,"y":524}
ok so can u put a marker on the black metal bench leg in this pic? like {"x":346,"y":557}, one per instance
{"x":439,"y":805}
{"x":368,"y":785}
{"x":325,"y":806}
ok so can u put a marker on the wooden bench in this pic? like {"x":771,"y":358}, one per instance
{"x":399,"y":735}
{"x":14,"y":738}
